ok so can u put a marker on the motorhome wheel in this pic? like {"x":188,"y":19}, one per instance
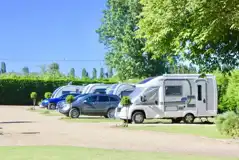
{"x":74,"y":113}
{"x":188,"y":118}
{"x":138,"y":117}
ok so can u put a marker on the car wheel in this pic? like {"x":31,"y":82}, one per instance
{"x":138,"y":117}
{"x":188,"y":118}
{"x":176,"y":120}
{"x":52,"y":106}
{"x":111,"y":113}
{"x":74,"y":113}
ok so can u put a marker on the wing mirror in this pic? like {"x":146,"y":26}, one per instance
{"x":156,"y":102}
{"x":143,"y":98}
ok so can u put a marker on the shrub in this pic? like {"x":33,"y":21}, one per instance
{"x":125,"y":101}
{"x":228,"y":124}
{"x":47,"y":95}
{"x":69,"y":99}
{"x":230,"y":100}
{"x":33,"y":96}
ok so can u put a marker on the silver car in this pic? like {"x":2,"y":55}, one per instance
{"x":92,"y":105}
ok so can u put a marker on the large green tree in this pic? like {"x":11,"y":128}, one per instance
{"x":117,"y":33}
{"x":202,"y":31}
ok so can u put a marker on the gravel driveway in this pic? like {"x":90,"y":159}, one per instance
{"x":21,"y":127}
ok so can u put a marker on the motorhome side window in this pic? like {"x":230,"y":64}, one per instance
{"x":173,"y":90}
{"x":199,"y":92}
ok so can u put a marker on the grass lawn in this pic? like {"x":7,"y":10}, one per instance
{"x":90,"y":119}
{"x":76,"y":153}
{"x":198,"y":130}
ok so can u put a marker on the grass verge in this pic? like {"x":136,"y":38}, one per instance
{"x":76,"y":153}
{"x":209,"y":131}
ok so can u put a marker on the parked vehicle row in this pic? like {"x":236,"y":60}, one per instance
{"x":180,"y":97}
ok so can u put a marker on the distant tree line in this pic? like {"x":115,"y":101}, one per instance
{"x":54,"y":70}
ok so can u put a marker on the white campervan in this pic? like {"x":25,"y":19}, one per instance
{"x":67,"y":89}
{"x":121,"y":89}
{"x":172,"y":96}
{"x":95,"y":88}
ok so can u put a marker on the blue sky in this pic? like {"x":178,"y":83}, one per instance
{"x":38,"y":32}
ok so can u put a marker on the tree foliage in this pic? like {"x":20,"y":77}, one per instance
{"x":25,"y":70}
{"x":102,"y":74}
{"x":3,"y":67}
{"x":72,"y":73}
{"x":110,"y":72}
{"x":84,"y":73}
{"x":205,"y":32}
{"x":117,"y":33}
{"x":94,"y":73}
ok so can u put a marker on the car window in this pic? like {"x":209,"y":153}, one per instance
{"x":91,"y":99}
{"x":113,"y":99}
{"x":64,"y":96}
{"x":103,"y":99}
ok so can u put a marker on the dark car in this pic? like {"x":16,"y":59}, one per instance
{"x":93,"y":105}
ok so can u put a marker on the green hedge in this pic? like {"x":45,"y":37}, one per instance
{"x":17,"y":91}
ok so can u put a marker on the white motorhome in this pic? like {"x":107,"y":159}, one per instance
{"x":95,"y":88}
{"x":121,"y":89}
{"x":172,"y":96}
{"x":67,"y":89}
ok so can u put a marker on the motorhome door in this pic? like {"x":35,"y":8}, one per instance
{"x":152,"y":100}
{"x":201,"y":102}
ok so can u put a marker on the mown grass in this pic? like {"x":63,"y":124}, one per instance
{"x":76,"y":153}
{"x":209,"y":131}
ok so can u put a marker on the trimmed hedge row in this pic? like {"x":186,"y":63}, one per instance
{"x":17,"y":91}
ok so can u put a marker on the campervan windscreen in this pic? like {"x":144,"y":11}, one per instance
{"x":110,"y":90}
{"x":54,"y":93}
{"x":136,"y":92}
{"x":85,"y":89}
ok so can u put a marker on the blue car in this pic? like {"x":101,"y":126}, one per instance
{"x":51,"y":103}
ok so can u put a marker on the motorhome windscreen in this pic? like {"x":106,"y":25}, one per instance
{"x":136,"y":92}
{"x":146,"y":80}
